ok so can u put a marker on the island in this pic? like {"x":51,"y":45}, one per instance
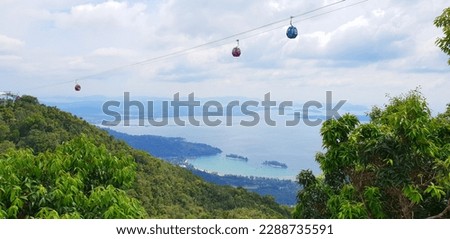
{"x":235,"y":156}
{"x":176,"y":150}
{"x":275,"y":164}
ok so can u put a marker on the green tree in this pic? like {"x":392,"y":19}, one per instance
{"x":78,"y":180}
{"x":444,"y":21}
{"x":395,"y":166}
{"x":32,"y":135}
{"x":314,"y":196}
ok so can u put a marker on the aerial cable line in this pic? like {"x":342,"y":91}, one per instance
{"x":188,"y":50}
{"x":304,"y":19}
{"x":175,"y":53}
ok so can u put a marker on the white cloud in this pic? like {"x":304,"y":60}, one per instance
{"x":103,"y":15}
{"x":113,"y":52}
{"x":378,"y":12}
{"x":361,"y":52}
{"x":363,"y":39}
{"x":78,"y":63}
{"x":9,"y":44}
{"x":9,"y":60}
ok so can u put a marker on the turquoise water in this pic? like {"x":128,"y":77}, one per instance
{"x":222,"y":165}
{"x":295,"y":146}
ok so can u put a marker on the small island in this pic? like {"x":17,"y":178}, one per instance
{"x":235,"y":156}
{"x":275,"y":164}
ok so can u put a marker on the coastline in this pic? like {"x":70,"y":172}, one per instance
{"x":220,"y":165}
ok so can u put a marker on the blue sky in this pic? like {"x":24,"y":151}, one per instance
{"x":361,"y":53}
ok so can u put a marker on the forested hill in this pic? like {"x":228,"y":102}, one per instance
{"x":176,"y":150}
{"x":166,"y":147}
{"x":55,"y":165}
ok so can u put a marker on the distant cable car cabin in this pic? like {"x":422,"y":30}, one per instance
{"x":77,"y":87}
{"x":236,"y":52}
{"x":291,"y":32}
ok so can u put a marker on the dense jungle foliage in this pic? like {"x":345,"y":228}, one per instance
{"x":395,"y":166}
{"x":55,"y":165}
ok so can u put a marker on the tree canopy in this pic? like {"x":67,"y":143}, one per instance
{"x":48,"y":171}
{"x":395,"y":166}
{"x":77,"y":180}
{"x":443,"y":21}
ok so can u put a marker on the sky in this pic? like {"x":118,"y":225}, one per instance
{"x":362,"y":51}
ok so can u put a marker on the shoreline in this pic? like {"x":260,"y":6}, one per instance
{"x":218,"y":164}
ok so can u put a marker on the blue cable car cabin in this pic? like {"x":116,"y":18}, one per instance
{"x":292,"y":32}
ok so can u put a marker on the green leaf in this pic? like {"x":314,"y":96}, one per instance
{"x":412,"y":194}
{"x":435,"y":191}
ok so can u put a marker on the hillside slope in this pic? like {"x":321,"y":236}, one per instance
{"x":173,"y":148}
{"x":164,"y":190}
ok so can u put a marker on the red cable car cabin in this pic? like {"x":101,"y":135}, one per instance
{"x":236,"y":52}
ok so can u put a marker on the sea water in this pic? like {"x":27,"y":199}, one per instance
{"x":296,"y":146}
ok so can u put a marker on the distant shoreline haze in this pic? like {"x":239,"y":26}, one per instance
{"x":295,"y":146}
{"x":205,"y":161}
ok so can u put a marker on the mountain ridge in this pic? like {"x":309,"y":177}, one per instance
{"x":176,"y":150}
{"x":164,"y":190}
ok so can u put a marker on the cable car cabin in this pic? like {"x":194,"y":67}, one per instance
{"x":77,"y":87}
{"x":291,"y":32}
{"x":236,"y":52}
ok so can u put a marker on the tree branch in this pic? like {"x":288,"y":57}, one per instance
{"x":442,"y":214}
